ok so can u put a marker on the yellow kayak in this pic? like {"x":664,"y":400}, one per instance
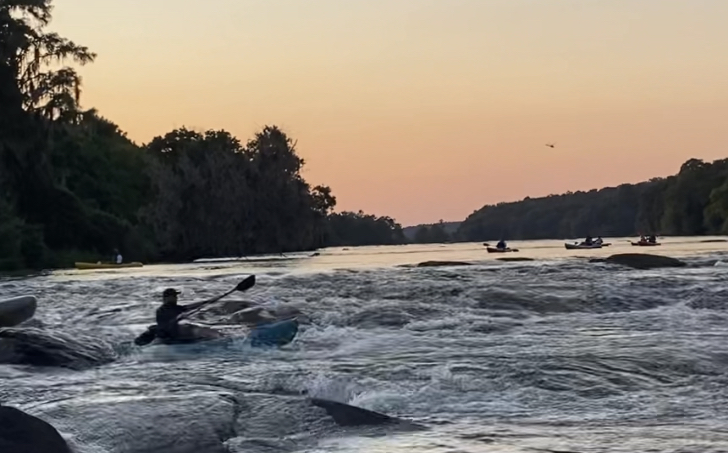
{"x":81,"y":265}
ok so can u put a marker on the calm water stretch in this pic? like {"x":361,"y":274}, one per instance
{"x":556,"y":354}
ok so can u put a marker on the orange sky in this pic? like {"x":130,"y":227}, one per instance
{"x":424,"y":109}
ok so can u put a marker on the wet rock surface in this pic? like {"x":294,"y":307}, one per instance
{"x":24,"y":433}
{"x":53,"y":348}
{"x":644,"y":261}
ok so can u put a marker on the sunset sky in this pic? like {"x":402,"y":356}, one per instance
{"x":423,"y":109}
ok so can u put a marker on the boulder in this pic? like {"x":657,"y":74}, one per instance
{"x":346,"y":415}
{"x":644,"y":261}
{"x":17,"y":310}
{"x":251,"y":316}
{"x":41,"y":347}
{"x":514,"y":259}
{"x":23,"y":433}
{"x":184,"y":422}
{"x":443,"y":263}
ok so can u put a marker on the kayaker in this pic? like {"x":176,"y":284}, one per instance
{"x":588,"y":241}
{"x":167,"y":322}
{"x":501,"y":245}
{"x":599,"y":241}
{"x":652,"y":239}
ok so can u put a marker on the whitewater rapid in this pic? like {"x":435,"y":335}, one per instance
{"x":550,"y":355}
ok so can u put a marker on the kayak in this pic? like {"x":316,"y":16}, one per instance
{"x":645,"y":244}
{"x":82,"y":265}
{"x":582,"y":246}
{"x":497,"y":250}
{"x":276,"y":333}
{"x":17,"y":310}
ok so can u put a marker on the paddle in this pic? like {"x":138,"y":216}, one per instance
{"x":245,"y":285}
{"x":150,"y":334}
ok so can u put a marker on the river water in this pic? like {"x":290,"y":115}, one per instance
{"x":555,"y":354}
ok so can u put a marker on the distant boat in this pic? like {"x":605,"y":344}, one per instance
{"x":582,"y":246}
{"x":497,"y":250}
{"x":645,"y":243}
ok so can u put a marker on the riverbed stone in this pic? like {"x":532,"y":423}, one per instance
{"x":172,"y":423}
{"x":44,"y":347}
{"x":514,"y":259}
{"x":443,"y":263}
{"x":24,"y":433}
{"x":644,"y":261}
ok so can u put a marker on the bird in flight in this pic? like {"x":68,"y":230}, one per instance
{"x":550,"y":145}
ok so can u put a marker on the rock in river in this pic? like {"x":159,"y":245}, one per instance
{"x":644,"y":261}
{"x":442,"y":263}
{"x":41,"y":347}
{"x":23,"y":433}
{"x":17,"y":310}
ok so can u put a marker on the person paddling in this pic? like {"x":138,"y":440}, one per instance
{"x":168,"y":314}
{"x":501,"y":245}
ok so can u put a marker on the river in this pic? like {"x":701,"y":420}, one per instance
{"x":555,"y":354}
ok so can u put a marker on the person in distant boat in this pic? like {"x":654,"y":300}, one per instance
{"x":588,"y":241}
{"x":501,"y":245}
{"x":167,"y":314}
{"x":598,"y":241}
{"x":652,"y":239}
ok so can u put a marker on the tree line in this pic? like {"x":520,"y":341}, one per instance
{"x":73,"y":186}
{"x":692,"y":202}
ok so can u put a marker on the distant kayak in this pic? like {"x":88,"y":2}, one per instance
{"x":497,"y":250}
{"x":645,"y":244}
{"x":582,"y":246}
{"x":82,"y":265}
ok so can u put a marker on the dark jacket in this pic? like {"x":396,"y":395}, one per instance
{"x":167,"y":319}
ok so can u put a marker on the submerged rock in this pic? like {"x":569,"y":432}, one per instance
{"x":644,"y":261}
{"x":181,"y":423}
{"x":228,"y":307}
{"x":443,"y":263}
{"x":514,"y":259}
{"x":346,"y":415}
{"x":378,"y":317}
{"x":251,"y":316}
{"x":40,"y":347}
{"x":23,"y":433}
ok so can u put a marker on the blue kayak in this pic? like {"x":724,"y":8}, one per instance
{"x":276,"y":333}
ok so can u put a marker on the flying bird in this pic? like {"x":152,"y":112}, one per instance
{"x":550,"y":145}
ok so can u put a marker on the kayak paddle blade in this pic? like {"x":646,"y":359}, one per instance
{"x":147,"y":337}
{"x":246,"y":284}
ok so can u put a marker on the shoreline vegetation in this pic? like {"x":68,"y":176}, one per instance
{"x":75,"y":187}
{"x":693,"y":202}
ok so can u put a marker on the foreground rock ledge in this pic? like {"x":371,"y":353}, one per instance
{"x":23,"y":433}
{"x":642,"y":261}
